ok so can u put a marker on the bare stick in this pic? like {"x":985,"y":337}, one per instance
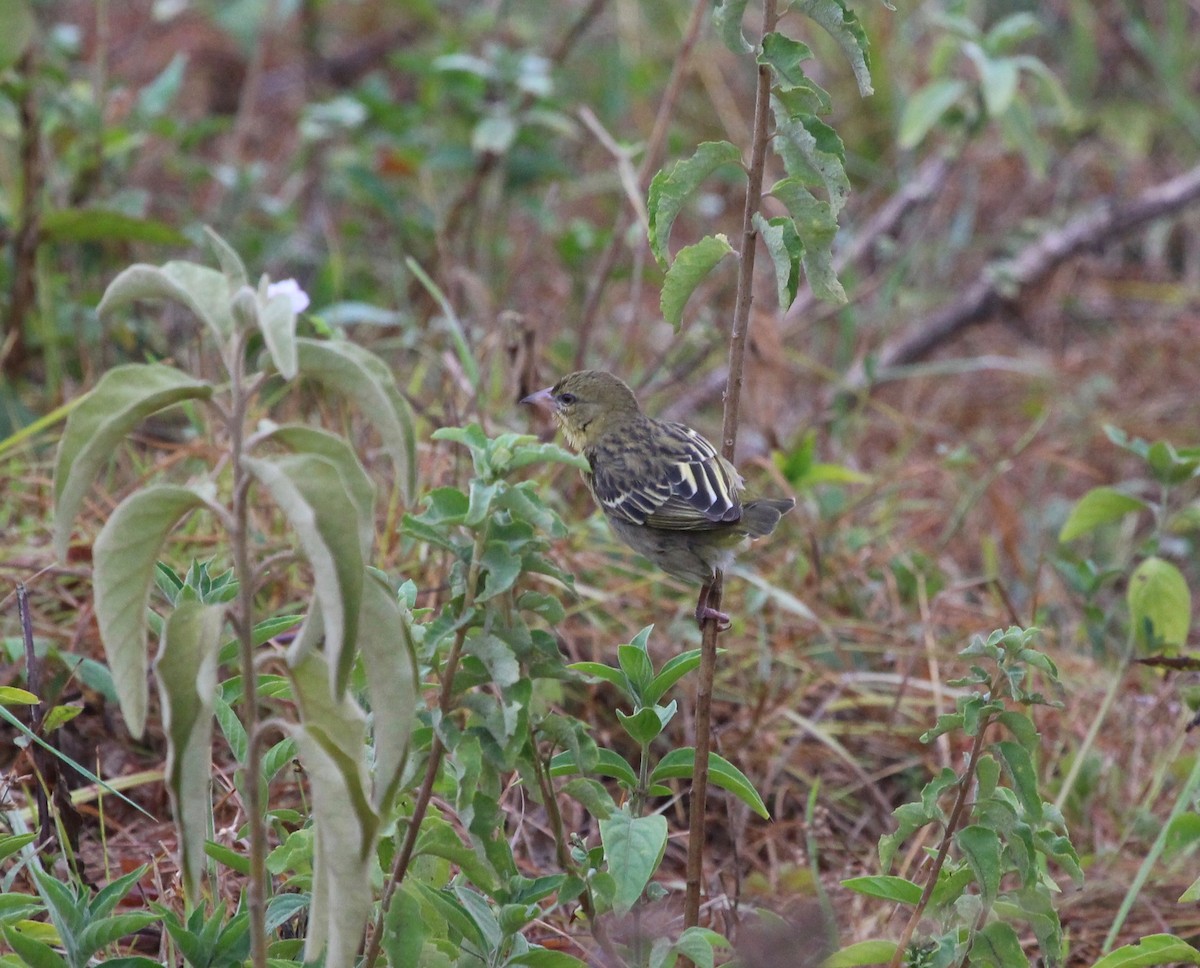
{"x":733,"y":388}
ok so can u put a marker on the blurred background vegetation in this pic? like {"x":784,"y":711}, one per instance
{"x":936,"y":428}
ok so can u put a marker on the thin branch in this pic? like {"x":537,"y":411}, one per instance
{"x":733,"y":389}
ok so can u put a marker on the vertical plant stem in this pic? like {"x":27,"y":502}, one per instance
{"x":697,"y":833}
{"x":257,"y":895}
{"x":961,"y":797}
{"x":437,"y":750}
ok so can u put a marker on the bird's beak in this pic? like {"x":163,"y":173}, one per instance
{"x":543,"y":399}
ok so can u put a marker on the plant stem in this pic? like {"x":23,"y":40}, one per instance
{"x":240,"y":539}
{"x":943,"y":851}
{"x":437,"y":750}
{"x":733,"y":390}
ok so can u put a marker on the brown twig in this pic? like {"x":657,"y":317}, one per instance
{"x":1001,"y":282}
{"x":733,"y":389}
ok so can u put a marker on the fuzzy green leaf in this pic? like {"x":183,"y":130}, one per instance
{"x":633,"y":847}
{"x":124,"y":558}
{"x":206,"y":292}
{"x":727,"y":17}
{"x":844,"y":27}
{"x":786,"y":251}
{"x":363,"y":377}
{"x":124,"y":397}
{"x":186,"y":673}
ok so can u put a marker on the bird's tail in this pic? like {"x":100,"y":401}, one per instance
{"x":760,"y":517}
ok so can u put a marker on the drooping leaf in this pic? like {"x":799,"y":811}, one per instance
{"x":124,"y":558}
{"x":680,"y":763}
{"x":277,"y":320}
{"x":231,"y":263}
{"x":186,"y":673}
{"x":1098,"y":506}
{"x":203,"y":290}
{"x":786,"y":251}
{"x":816,"y":227}
{"x":363,"y":377}
{"x":309,"y":491}
{"x":671,"y":188}
{"x":845,"y":28}
{"x":124,"y":397}
{"x":727,"y":16}
{"x":103,"y":225}
{"x":813,"y":152}
{"x":691,"y":266}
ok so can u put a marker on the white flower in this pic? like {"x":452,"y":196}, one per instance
{"x":290,"y":288}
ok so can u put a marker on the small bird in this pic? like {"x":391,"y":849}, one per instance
{"x":665,"y":490}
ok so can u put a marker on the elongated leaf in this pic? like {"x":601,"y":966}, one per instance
{"x":813,"y":152}
{"x":672,"y":187}
{"x":1160,"y":605}
{"x":816,"y":227}
{"x":784,"y":55}
{"x":360,"y":489}
{"x":786,"y":251}
{"x":389,"y":657}
{"x":20,"y":28}
{"x":124,"y":397}
{"x":681,"y":763}
{"x":633,"y":847}
{"x":277,"y":320}
{"x":363,"y":377}
{"x":925,"y":108}
{"x":691,"y":266}
{"x":860,"y":954}
{"x":608,"y":763}
{"x":727,"y":16}
{"x":981,"y":848}
{"x":844,"y":27}
{"x":124,"y":558}
{"x":204,"y":291}
{"x":231,"y":263}
{"x":886,"y":887}
{"x":1098,"y":506}
{"x":310,"y":493}
{"x":1154,"y":949}
{"x":186,"y":673}
{"x":105,"y":225}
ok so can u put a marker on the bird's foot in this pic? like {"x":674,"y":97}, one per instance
{"x":705,"y":611}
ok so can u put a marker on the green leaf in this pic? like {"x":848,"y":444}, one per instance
{"x":784,"y":56}
{"x":124,"y":397}
{"x":860,"y":954}
{"x":501,"y":570}
{"x":925,"y":108}
{"x":124,"y":557}
{"x":359,"y":488}
{"x":545,"y":958}
{"x":672,"y":671}
{"x":231,"y":263}
{"x":1154,"y":949}
{"x":362,"y":376}
{"x":885,"y":887}
{"x":608,"y":763}
{"x":1160,"y":605}
{"x":309,"y":491}
{"x":786,"y":250}
{"x":812,"y":152}
{"x":100,"y":934}
{"x":691,"y":266}
{"x":103,"y":225}
{"x":19,"y":29}
{"x":643,"y":726}
{"x":998,"y":77}
{"x":816,"y":227}
{"x":186,"y":673}
{"x":330,"y":740}
{"x":277,"y":322}
{"x":1098,"y":506}
{"x":727,"y":17}
{"x":1019,"y":762}
{"x":591,"y":793}
{"x":638,"y":669}
{"x":680,"y":763}
{"x":204,"y":291}
{"x":844,"y":27}
{"x":997,"y":945}
{"x":32,"y":952}
{"x":633,"y":847}
{"x":981,"y":848}
{"x":671,"y":188}
{"x":389,"y":659}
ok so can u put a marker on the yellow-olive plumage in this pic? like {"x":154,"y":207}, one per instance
{"x":665,"y":490}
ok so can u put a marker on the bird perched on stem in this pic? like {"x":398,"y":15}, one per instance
{"x":665,"y":490}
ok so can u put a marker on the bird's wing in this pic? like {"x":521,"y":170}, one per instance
{"x":680,"y":483}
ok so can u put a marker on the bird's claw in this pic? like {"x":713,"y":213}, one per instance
{"x":704,"y":612}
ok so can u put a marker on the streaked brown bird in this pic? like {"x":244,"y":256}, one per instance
{"x":665,"y":490}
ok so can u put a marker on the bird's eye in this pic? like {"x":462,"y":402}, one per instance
{"x":567,"y":398}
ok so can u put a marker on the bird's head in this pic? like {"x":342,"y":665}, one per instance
{"x":586,"y":405}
